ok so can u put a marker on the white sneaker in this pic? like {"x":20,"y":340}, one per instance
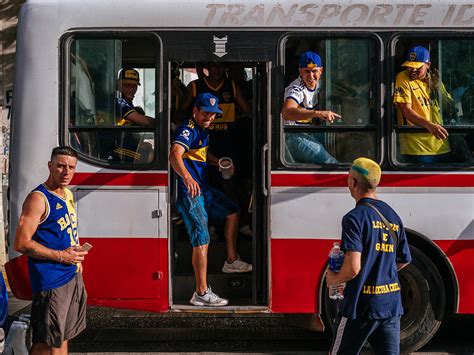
{"x":236,"y":266}
{"x":209,"y":299}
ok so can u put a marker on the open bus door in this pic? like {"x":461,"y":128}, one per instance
{"x":244,"y":290}
{"x":261,"y":190}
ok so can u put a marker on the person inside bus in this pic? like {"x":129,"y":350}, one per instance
{"x":301,"y":107}
{"x":224,"y":138}
{"x":242,"y":135}
{"x":129,"y":147}
{"x":229,"y":94}
{"x":417,"y":97}
{"x":197,"y":201}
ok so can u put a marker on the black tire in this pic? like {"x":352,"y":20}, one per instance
{"x":423,"y":298}
{"x":424,"y":301}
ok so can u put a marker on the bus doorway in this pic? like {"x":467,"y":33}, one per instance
{"x":242,"y":88}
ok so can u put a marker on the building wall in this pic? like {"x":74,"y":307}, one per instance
{"x":9,"y":10}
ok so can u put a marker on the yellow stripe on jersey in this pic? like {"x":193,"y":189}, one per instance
{"x":217,"y":88}
{"x":199,"y":154}
{"x":72,"y":229}
{"x":181,"y":144}
{"x":127,"y":152}
{"x":46,"y":207}
{"x":228,"y":113}
{"x":123,"y":121}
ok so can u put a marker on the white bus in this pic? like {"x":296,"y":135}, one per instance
{"x":68,"y":55}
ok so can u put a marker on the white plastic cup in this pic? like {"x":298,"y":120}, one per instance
{"x":225,"y":167}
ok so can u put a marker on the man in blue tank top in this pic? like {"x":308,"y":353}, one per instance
{"x":47,"y":234}
{"x":372,"y":304}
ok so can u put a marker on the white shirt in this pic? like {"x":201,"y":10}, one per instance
{"x":302,"y":95}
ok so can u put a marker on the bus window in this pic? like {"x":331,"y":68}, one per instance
{"x":449,"y":83}
{"x":111,"y":111}
{"x":347,"y":87}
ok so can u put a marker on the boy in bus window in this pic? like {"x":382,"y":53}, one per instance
{"x":417,"y":103}
{"x":300,"y":107}
{"x":197,"y":200}
{"x":127,"y":144}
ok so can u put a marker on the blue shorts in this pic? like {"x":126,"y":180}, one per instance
{"x":350,"y":335}
{"x":428,"y":159}
{"x":212,"y":204}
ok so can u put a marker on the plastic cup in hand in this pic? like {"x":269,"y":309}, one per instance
{"x":226,"y":167}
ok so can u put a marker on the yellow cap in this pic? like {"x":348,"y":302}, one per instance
{"x":369,"y":169}
{"x":414,"y":65}
{"x":129,"y":76}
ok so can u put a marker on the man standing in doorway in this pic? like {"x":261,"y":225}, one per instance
{"x":196,"y":200}
{"x":372,"y":304}
{"x":47,"y":234}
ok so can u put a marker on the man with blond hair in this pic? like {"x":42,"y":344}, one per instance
{"x":375,"y":247}
{"x":418,"y":96}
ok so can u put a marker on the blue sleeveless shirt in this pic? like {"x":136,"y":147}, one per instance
{"x":57,"y":230}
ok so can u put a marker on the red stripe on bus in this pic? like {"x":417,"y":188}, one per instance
{"x":388,"y":180}
{"x":120,"y":179}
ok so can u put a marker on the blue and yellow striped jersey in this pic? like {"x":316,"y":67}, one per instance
{"x":57,"y":230}
{"x":195,"y":141}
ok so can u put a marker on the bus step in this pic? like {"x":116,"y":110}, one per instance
{"x":232,"y":286}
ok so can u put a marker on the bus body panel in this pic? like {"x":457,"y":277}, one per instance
{"x":135,"y":277}
{"x":299,"y":231}
{"x":300,"y":236}
{"x":255,"y":14}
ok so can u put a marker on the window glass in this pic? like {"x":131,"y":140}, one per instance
{"x":112,"y":99}
{"x":347,"y":86}
{"x":434,"y":105}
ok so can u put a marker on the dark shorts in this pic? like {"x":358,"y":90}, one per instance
{"x":59,"y":314}
{"x":350,"y":335}
{"x":211,"y":204}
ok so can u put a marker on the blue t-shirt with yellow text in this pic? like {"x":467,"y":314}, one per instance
{"x":375,"y":292}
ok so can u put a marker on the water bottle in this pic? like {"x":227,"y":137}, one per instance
{"x":336,"y":259}
{"x":18,"y":340}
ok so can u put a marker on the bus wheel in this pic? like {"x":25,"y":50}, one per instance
{"x":423,"y":299}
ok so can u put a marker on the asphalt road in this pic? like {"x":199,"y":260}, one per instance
{"x":122,"y":331}
{"x":118,"y":331}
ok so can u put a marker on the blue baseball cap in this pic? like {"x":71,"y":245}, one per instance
{"x":208,"y":103}
{"x":310,"y":60}
{"x":416,"y":57}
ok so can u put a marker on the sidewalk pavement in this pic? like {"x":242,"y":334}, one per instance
{"x":15,"y":305}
